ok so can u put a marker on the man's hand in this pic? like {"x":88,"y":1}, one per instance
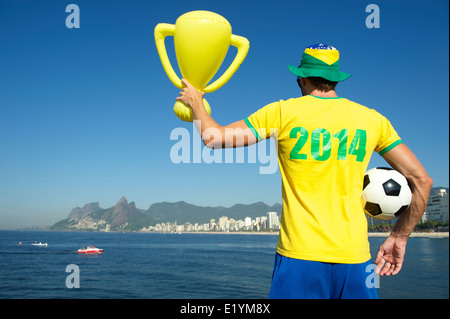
{"x":392,"y":252}
{"x":190,"y":96}
{"x":390,"y":256}
{"x":236,"y":134}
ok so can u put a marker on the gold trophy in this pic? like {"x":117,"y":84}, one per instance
{"x":201,"y":40}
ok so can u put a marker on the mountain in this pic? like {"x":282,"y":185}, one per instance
{"x":183,"y":212}
{"x":86,"y":210}
{"x":125,"y":216}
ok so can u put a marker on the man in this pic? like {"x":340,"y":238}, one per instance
{"x":324,"y":146}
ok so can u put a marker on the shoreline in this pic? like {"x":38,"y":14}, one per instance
{"x":370,"y":234}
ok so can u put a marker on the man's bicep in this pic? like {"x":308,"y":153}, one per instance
{"x":403,"y":160}
{"x":238,"y":134}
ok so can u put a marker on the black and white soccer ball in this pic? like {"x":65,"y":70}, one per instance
{"x":386,"y":193}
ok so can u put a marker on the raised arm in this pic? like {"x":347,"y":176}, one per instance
{"x":391,"y":253}
{"x":214,"y":135}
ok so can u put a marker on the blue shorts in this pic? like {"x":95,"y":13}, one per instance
{"x":305,"y":279}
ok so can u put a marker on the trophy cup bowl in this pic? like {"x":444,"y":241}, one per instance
{"x":201,"y":42}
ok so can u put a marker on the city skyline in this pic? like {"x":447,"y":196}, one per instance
{"x":270,"y":222}
{"x":437,"y":211}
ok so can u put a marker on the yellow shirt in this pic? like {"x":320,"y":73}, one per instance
{"x":324,"y":147}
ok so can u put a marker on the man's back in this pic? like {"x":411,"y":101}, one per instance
{"x":324,"y":147}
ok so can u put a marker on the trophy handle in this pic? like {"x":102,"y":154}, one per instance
{"x":162,"y":30}
{"x":242,"y":45}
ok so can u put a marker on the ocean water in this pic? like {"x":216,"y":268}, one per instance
{"x":182,"y":266}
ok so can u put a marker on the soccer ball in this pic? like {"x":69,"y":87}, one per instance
{"x":386,"y":193}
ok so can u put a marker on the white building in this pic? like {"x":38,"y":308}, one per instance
{"x":247,"y":223}
{"x":437,"y":206}
{"x":212,"y":224}
{"x":263,"y":222}
{"x":223,"y":223}
{"x":272,"y":220}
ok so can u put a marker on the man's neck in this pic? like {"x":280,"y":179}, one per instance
{"x":331,"y":93}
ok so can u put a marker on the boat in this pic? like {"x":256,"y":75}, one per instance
{"x":90,"y":250}
{"x":39,"y":244}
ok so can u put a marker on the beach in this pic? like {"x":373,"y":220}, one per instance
{"x":371,"y":234}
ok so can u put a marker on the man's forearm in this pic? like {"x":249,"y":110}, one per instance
{"x":403,"y":160}
{"x":409,"y":219}
{"x":200,"y":114}
{"x":208,"y":128}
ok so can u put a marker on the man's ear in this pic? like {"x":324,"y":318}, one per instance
{"x":300,"y":82}
{"x":304,"y":81}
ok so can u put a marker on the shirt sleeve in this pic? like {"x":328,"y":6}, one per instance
{"x":265,"y":122}
{"x":388,"y":137}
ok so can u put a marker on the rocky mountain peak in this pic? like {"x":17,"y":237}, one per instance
{"x":86,"y":210}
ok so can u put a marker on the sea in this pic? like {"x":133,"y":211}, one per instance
{"x":181,"y":266}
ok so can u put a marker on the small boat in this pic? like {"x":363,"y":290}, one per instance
{"x":39,"y":244}
{"x":90,"y":250}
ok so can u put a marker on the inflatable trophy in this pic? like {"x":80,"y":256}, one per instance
{"x":201,"y":41}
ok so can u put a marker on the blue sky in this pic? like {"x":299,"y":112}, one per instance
{"x":86,"y":114}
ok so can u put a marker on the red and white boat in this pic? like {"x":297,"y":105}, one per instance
{"x":90,"y":250}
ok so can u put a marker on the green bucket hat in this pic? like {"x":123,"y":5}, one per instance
{"x":320,"y":60}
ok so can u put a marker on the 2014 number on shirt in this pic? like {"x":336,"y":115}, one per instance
{"x":321,"y":144}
